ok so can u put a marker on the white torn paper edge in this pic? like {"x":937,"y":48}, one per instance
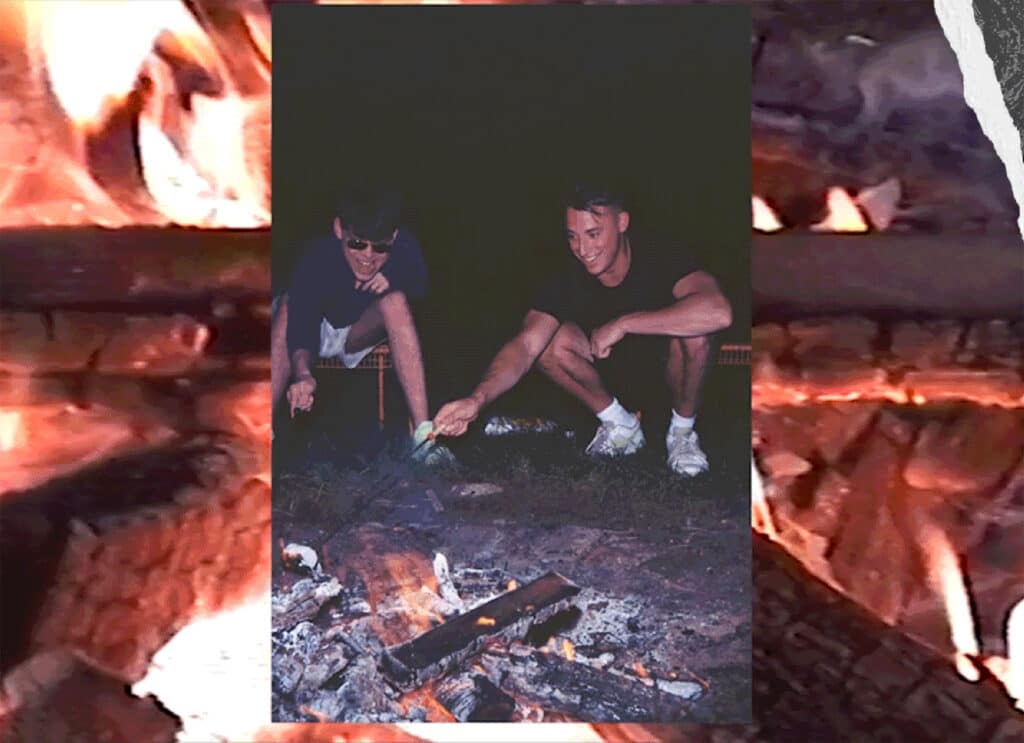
{"x":982,"y":91}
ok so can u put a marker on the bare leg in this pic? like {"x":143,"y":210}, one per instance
{"x":280,"y":364}
{"x":688,"y":361}
{"x":367,"y":331}
{"x":566,"y":360}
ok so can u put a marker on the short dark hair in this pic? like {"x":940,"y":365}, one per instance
{"x":370,"y":213}
{"x":591,"y":196}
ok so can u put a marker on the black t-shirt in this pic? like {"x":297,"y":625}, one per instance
{"x":573,"y":295}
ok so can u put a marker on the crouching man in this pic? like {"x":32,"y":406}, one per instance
{"x":620,"y":288}
{"x":349,"y":293}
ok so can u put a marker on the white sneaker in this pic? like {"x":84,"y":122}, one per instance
{"x":614,"y":440}
{"x":684,"y":453}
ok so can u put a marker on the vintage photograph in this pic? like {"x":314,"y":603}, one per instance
{"x":510,"y":351}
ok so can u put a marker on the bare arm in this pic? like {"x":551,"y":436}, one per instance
{"x":700,"y":309}
{"x":513,"y":361}
{"x":300,"y":364}
{"x":405,"y":347}
{"x":516,"y":357}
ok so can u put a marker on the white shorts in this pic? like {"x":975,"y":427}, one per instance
{"x":332,"y":345}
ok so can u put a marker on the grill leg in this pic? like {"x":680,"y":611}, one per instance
{"x":380,"y":392}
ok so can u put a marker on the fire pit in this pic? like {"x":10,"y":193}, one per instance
{"x":511,"y":599}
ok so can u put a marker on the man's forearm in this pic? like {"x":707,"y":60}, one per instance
{"x":405,"y":348}
{"x":508,"y":367}
{"x":698,"y":314}
{"x":301,"y":364}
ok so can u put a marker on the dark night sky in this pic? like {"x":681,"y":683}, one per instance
{"x":477,"y":113}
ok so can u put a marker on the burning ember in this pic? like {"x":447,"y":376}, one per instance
{"x":10,"y":429}
{"x":153,"y":114}
{"x":843,"y":214}
{"x":764,"y":218}
{"x":865,"y":486}
{"x":947,"y":579}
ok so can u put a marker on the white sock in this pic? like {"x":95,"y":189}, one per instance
{"x":682,"y":422}
{"x":617,"y":414}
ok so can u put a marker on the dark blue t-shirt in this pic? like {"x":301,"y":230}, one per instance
{"x":323,"y":286}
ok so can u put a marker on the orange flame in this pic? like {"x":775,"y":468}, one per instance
{"x":947,"y":579}
{"x":640,"y":670}
{"x":568,"y":650}
{"x":843,"y":214}
{"x":194,"y":95}
{"x":485,"y":622}
{"x":764,"y":217}
{"x":1015,"y":654}
{"x":512,"y":585}
{"x":760,"y":511}
{"x":10,"y":429}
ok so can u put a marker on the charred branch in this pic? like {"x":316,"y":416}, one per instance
{"x":413,"y":663}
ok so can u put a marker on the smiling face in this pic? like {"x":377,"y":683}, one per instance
{"x":598,"y":240}
{"x":367,"y":262}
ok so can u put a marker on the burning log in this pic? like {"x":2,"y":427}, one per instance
{"x":55,"y":425}
{"x":114,"y":565}
{"x":132,"y":267}
{"x":854,"y":358}
{"x":870,"y":681}
{"x":64,"y":697}
{"x":411,"y":664}
{"x":475,"y":699}
{"x":873,"y":274}
{"x":553,"y":682}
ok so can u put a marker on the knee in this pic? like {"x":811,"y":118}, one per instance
{"x":697,"y":346}
{"x":556,"y":354}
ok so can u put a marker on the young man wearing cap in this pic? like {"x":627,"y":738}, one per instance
{"x":350,"y":292}
{"x":619,"y":288}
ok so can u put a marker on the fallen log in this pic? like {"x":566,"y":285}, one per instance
{"x":443,"y":648}
{"x":115,"y":558}
{"x":585,"y":693}
{"x":948,"y":275}
{"x":156,"y":268}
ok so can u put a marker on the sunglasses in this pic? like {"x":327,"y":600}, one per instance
{"x":359,"y":246}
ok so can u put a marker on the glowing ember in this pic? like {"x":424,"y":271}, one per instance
{"x":10,"y":429}
{"x":473,"y":732}
{"x":760,"y":511}
{"x":39,"y":442}
{"x":640,"y":671}
{"x":1015,"y":654}
{"x":947,"y":579}
{"x":215,"y":674}
{"x":764,"y":218}
{"x":485,"y":622}
{"x":568,"y":650}
{"x":843,"y":214}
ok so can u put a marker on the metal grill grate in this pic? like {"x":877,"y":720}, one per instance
{"x":377,"y":360}
{"x":734,"y":355}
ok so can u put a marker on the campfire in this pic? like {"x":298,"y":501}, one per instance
{"x":367,"y":627}
{"x":168,"y":123}
{"x":871,"y":390}
{"x":134,"y":389}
